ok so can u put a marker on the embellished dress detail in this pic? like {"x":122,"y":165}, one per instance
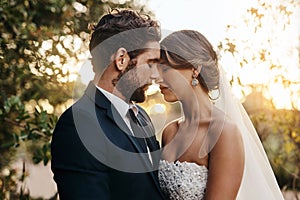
{"x":182,"y":180}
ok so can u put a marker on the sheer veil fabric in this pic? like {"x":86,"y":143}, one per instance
{"x":258,"y":181}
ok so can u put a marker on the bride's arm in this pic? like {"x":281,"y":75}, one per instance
{"x":226,"y":165}
{"x":168,"y":135}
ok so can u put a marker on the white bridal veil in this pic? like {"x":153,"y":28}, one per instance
{"x":259,"y":182}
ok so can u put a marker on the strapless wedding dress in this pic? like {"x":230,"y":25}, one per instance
{"x":182,"y":180}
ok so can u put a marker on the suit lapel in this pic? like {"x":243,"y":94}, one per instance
{"x":100,"y":100}
{"x":152,"y":143}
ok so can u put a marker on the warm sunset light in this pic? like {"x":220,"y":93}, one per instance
{"x":277,"y":92}
{"x":260,"y":43}
{"x":152,"y":89}
{"x":158,"y":109}
{"x":257,"y":56}
{"x":57,"y":120}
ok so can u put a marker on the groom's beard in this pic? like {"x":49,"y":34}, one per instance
{"x":129,"y":85}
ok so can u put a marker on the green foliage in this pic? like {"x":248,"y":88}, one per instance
{"x":8,"y":181}
{"x":280,"y":132}
{"x":27,"y":132}
{"x":38,"y":41}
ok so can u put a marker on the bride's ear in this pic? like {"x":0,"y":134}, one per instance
{"x":121,"y":59}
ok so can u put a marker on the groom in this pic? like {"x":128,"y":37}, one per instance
{"x":103,"y":146}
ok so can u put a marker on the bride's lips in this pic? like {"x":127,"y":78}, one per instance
{"x":162,"y":88}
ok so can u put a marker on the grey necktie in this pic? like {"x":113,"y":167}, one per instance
{"x":139,"y":127}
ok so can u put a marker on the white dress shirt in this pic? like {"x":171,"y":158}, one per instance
{"x":122,"y":108}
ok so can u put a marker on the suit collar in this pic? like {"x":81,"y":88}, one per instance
{"x":119,"y":103}
{"x":97,"y":96}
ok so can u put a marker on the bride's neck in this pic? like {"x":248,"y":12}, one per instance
{"x":197,"y":107}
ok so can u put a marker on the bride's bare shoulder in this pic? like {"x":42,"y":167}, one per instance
{"x":169,"y":132}
{"x":229,"y":128}
{"x":230,"y":134}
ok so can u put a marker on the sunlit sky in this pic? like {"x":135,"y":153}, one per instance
{"x":208,"y":17}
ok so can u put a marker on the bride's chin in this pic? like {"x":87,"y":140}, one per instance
{"x":169,"y":98}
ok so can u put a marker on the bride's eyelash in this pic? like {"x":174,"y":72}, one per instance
{"x":164,"y":69}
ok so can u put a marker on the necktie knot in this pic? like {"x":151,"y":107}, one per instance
{"x":137,"y":117}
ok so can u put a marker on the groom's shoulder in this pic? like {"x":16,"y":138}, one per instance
{"x":75,"y":120}
{"x":79,"y":110}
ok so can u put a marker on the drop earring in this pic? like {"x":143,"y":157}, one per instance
{"x":195,"y":80}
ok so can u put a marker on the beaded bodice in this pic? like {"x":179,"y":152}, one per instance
{"x":182,"y":180}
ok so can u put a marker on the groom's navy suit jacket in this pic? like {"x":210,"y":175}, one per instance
{"x":94,"y":156}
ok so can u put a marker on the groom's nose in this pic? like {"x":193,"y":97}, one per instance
{"x":154,"y":73}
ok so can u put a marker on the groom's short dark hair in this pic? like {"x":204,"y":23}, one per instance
{"x":133,"y":31}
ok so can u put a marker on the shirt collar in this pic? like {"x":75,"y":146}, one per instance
{"x":120,"y":105}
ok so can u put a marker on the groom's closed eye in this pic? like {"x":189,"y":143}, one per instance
{"x":153,"y":61}
{"x":151,"y":65}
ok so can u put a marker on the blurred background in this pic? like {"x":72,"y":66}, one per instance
{"x":44,"y":69}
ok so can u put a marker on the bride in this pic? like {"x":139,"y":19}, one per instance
{"x":214,"y":151}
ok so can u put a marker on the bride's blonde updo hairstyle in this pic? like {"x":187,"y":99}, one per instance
{"x":190,"y":49}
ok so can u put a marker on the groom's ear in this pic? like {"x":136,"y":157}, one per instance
{"x":121,"y":59}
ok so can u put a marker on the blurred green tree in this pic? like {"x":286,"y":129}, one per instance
{"x":40,"y":44}
{"x":280,"y":132}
